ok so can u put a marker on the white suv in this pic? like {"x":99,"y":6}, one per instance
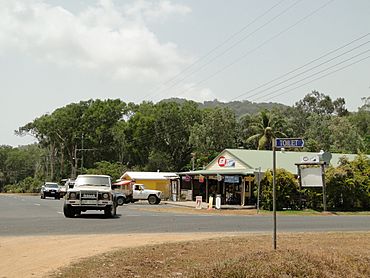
{"x":90,"y":192}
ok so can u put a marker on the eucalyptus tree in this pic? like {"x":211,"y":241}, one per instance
{"x":45,"y":130}
{"x":4,"y":177}
{"x":173,"y":122}
{"x":361,"y":120}
{"x":344,"y":138}
{"x":313,"y":107}
{"x":97,"y":127}
{"x":216,"y":131}
{"x":64,"y":131}
{"x":321,"y":104}
{"x":24,"y":161}
{"x":316,"y":118}
{"x":138,"y":133}
{"x":156,"y":136}
{"x":121,"y":134}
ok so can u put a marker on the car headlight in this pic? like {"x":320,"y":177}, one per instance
{"x":72,"y":195}
{"x":106,"y":196}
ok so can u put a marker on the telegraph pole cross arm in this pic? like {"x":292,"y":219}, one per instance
{"x":289,"y":143}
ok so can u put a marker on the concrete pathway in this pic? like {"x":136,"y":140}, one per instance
{"x":192,"y":204}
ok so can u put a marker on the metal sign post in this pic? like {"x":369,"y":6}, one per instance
{"x":274,"y":190}
{"x":280,"y":143}
{"x":323,"y":187}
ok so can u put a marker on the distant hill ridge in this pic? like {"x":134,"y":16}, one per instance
{"x":239,"y":107}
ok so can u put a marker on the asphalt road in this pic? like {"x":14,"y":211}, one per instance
{"x":30,"y":215}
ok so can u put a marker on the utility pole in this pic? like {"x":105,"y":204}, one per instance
{"x":82,"y":154}
{"x":258,"y":189}
{"x":274,"y":190}
{"x":193,"y":161}
{"x":82,"y":150}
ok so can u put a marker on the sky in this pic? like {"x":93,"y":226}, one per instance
{"x":55,"y":52}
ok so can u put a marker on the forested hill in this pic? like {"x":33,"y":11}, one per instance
{"x":240,"y":108}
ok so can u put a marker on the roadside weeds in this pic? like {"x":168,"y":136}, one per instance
{"x":298,"y":255}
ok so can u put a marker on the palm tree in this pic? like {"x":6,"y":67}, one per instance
{"x":266,"y":127}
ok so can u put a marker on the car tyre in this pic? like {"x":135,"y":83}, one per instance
{"x":152,"y":200}
{"x":120,"y":201}
{"x":110,"y":211}
{"x":68,"y":211}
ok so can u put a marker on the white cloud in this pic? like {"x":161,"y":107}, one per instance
{"x":104,"y":38}
{"x":159,"y":10}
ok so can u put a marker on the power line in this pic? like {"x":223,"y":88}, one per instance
{"x":147,"y":138}
{"x":232,"y":46}
{"x":321,"y":71}
{"x":325,"y":75}
{"x":300,"y":67}
{"x":259,"y":46}
{"x":299,"y":74}
{"x":215,"y":48}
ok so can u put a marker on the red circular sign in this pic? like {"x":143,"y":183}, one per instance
{"x":221,"y":161}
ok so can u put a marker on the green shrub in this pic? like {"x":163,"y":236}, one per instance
{"x":348,"y":185}
{"x":28,"y":185}
{"x":287,"y":191}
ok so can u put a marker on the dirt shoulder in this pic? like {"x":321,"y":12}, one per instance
{"x":36,"y":256}
{"x":333,"y":254}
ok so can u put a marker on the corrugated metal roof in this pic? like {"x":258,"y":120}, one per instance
{"x":284,"y":159}
{"x":250,"y":160}
{"x":149,"y":175}
{"x":222,"y":172}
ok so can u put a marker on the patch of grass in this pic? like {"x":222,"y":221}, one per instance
{"x":351,"y":212}
{"x":298,"y":255}
{"x":306,"y":212}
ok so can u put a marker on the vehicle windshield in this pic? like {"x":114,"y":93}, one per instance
{"x":92,"y":181}
{"x":52,"y":185}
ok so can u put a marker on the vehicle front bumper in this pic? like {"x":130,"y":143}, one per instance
{"x":50,"y":193}
{"x":89,"y":204}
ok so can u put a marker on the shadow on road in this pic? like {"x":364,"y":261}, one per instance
{"x":96,"y":216}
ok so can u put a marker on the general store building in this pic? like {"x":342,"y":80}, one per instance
{"x":233,"y":172}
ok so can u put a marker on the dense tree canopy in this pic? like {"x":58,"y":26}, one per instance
{"x":111,"y":135}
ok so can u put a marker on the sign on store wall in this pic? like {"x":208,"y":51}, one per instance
{"x":231,"y":179}
{"x":224,"y":162}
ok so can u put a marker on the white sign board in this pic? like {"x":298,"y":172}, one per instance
{"x":311,"y":177}
{"x":198,"y":202}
